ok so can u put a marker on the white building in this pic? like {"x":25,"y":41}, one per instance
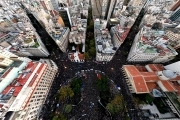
{"x":17,"y":33}
{"x":118,"y":35}
{"x":174,"y":67}
{"x":24,"y":87}
{"x":51,"y":21}
{"x":104,"y":47}
{"x":151,"y":46}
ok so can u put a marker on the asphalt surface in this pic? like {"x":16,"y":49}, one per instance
{"x":68,"y":69}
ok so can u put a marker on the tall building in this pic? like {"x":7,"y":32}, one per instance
{"x":151,"y":46}
{"x":105,"y":50}
{"x":51,"y":21}
{"x":118,"y":35}
{"x":176,"y":15}
{"x":157,"y":16}
{"x":175,"y":5}
{"x":64,"y":13}
{"x":158,"y":80}
{"x":102,"y":9}
{"x":17,"y":33}
{"x":77,"y":36}
{"x":174,"y":37}
{"x":158,"y":11}
{"x":24,"y":87}
{"x":6,"y":54}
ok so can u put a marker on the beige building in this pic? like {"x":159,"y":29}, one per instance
{"x":174,"y":37}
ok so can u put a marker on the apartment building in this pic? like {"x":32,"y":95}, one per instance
{"x":24,"y":87}
{"x":157,"y":80}
{"x":105,"y":49}
{"x":151,"y":46}
{"x":17,"y":34}
{"x":118,"y":35}
{"x":77,"y":36}
{"x":176,"y":15}
{"x":158,"y":11}
{"x":51,"y":21}
{"x":6,"y":54}
{"x":174,"y":37}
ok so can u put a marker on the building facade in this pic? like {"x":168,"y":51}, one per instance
{"x":24,"y":88}
{"x":151,"y":46}
{"x":51,"y":21}
{"x":156,"y":80}
{"x":17,"y":34}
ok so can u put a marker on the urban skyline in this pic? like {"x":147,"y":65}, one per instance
{"x":89,"y":59}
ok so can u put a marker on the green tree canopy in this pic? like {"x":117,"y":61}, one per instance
{"x":116,"y":105}
{"x":92,"y":43}
{"x":68,"y":108}
{"x":76,"y":85}
{"x":102,"y":84}
{"x":55,"y":117}
{"x":65,"y":92}
{"x":59,"y":117}
{"x":86,"y":55}
{"x":92,"y":51}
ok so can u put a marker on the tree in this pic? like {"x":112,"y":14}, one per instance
{"x":110,"y":108}
{"x":92,"y":43}
{"x":68,"y":108}
{"x":90,"y":27}
{"x":61,"y":117}
{"x":102,"y":84}
{"x":76,"y":85}
{"x":116,"y":105}
{"x":149,"y":98}
{"x":92,"y":51}
{"x":86,"y":54}
{"x":65,"y":93}
{"x":55,"y":118}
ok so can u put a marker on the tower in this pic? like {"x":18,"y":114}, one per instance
{"x":176,"y":15}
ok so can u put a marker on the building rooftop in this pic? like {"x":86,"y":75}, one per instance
{"x":58,"y":32}
{"x":121,"y":32}
{"x":22,"y":82}
{"x":144,"y":81}
{"x":154,"y":41}
{"x":103,"y":42}
{"x":17,"y":33}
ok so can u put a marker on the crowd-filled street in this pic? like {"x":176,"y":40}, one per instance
{"x":68,"y":69}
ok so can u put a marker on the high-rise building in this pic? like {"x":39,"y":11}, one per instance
{"x":175,"y":5}
{"x":174,"y":37}
{"x":105,"y":49}
{"x":158,"y":11}
{"x":6,"y":54}
{"x":65,"y":15}
{"x":102,"y":9}
{"x":24,"y":87}
{"x":17,"y":33}
{"x":176,"y":15}
{"x":151,"y":46}
{"x":77,"y":36}
{"x":51,"y":21}
{"x":118,"y":35}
